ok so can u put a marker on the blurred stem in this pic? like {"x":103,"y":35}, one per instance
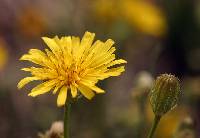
{"x":154,"y":126}
{"x":67,"y":119}
{"x":155,"y":57}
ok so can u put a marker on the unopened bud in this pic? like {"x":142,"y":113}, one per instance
{"x":164,"y":94}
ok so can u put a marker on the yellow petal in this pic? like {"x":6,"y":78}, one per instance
{"x":27,"y":69}
{"x":52,"y":57}
{"x":86,"y":91}
{"x":97,"y":89}
{"x":102,"y":57}
{"x":73,"y":91}
{"x":66,"y":45}
{"x":42,"y":88}
{"x":103,"y":60}
{"x":25,"y":81}
{"x":58,"y":85}
{"x":115,"y":71}
{"x":115,"y":62}
{"x":89,"y":81}
{"x":96,"y":47}
{"x":108,"y":44}
{"x":105,"y":74}
{"x":62,"y":96}
{"x":56,"y":39}
{"x":85,"y":44}
{"x":38,"y":57}
{"x":37,"y":52}
{"x":52,"y":45}
{"x":87,"y":40}
{"x":42,"y":73}
{"x":104,"y":67}
{"x":93,"y":87}
{"x":75,"y":44}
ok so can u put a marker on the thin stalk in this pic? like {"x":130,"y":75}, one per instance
{"x":154,"y":126}
{"x":67,"y":119}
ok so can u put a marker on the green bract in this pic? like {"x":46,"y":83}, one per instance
{"x":164,"y":94}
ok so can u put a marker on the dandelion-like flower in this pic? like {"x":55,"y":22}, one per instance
{"x":71,"y":64}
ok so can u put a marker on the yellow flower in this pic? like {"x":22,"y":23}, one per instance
{"x":71,"y":64}
{"x":146,"y":17}
{"x":3,"y":54}
{"x":105,"y":12}
{"x":170,"y":122}
{"x":142,"y":15}
{"x":31,"y":23}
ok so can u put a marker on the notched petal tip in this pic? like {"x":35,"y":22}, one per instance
{"x":124,"y":61}
{"x":56,"y":37}
{"x":89,"y":33}
{"x":31,"y":95}
{"x":110,"y":42}
{"x":23,"y":57}
{"x":97,"y":89}
{"x":60,"y":105}
{"x":45,"y":38}
{"x":19,"y":87}
{"x":26,"y":69}
{"x":90,"y":98}
{"x":88,"y":37}
{"x":102,"y":91}
{"x":74,"y":91}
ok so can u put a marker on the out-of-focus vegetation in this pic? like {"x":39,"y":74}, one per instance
{"x":154,"y":36}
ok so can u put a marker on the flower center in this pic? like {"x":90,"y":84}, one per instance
{"x":72,"y":75}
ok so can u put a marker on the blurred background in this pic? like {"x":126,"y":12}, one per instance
{"x":154,"y":36}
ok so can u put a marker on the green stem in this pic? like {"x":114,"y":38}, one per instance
{"x":154,"y":126}
{"x":67,"y":119}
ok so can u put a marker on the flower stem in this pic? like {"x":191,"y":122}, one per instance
{"x":154,"y":126}
{"x":67,"y":119}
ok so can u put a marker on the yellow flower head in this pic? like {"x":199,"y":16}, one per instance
{"x":145,"y":16}
{"x":142,"y":15}
{"x":71,"y":64}
{"x":105,"y":12}
{"x":3,"y":54}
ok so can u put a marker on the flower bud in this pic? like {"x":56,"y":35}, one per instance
{"x":164,"y":94}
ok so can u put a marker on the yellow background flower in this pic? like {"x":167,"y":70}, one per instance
{"x":139,"y":14}
{"x":3,"y":54}
{"x":72,"y":64}
{"x":144,"y":16}
{"x":169,"y":122}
